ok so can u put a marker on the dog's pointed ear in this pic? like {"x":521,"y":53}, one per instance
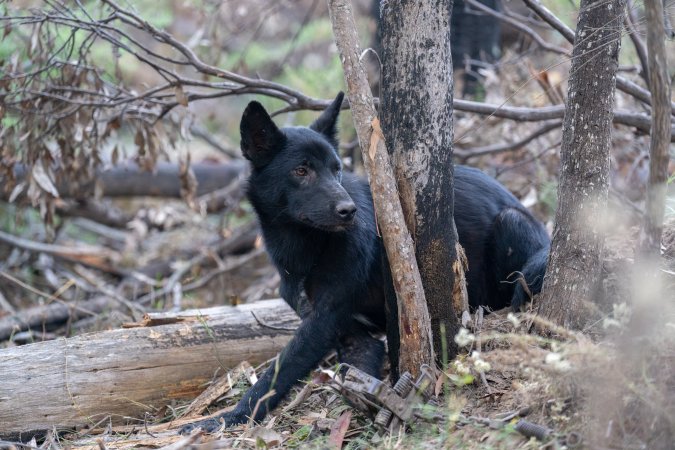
{"x":326,"y":124}
{"x":260,"y":137}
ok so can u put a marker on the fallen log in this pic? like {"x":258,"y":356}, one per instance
{"x":54,"y":314}
{"x":124,"y":373}
{"x":129,"y":180}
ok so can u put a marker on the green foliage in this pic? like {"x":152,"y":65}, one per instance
{"x":299,"y":437}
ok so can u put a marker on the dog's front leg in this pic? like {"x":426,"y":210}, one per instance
{"x":317,"y":335}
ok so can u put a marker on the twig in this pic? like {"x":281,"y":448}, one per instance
{"x":136,"y":310}
{"x":27,"y":287}
{"x":621,"y":83}
{"x":464,"y":154}
{"x":230,"y":194}
{"x":519,"y":26}
{"x":300,"y":398}
{"x":202,"y":133}
{"x":269,"y":394}
{"x":525,"y":114}
{"x":229,"y":265}
{"x":478,"y":328}
{"x":92,"y":256}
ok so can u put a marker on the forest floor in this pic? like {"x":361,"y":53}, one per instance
{"x":612,"y":383}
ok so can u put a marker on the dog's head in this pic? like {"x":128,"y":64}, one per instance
{"x":297,"y":173}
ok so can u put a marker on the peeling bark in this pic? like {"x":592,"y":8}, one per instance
{"x":416,"y":111}
{"x":577,"y":247}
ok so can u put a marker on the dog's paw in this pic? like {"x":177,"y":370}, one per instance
{"x":215,"y":424}
{"x":208,"y":426}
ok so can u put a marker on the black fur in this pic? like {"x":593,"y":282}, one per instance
{"x":319,"y":229}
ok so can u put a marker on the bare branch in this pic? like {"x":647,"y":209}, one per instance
{"x":519,"y":26}
{"x":465,"y":154}
{"x":622,"y":84}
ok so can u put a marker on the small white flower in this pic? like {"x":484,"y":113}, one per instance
{"x":513,"y":319}
{"x":553,"y":358}
{"x":556,"y":360}
{"x":463,"y":338}
{"x":461,"y":368}
{"x":479,"y":364}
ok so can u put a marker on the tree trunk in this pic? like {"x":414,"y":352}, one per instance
{"x":576,"y":250}
{"x":649,"y":245}
{"x":413,"y":317}
{"x":416,"y":112}
{"x":127,"y":372}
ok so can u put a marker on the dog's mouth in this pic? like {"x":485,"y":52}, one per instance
{"x":332,"y":228}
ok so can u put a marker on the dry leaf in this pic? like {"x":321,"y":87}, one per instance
{"x":44,"y":178}
{"x":54,"y":149}
{"x":181,"y":97}
{"x":339,"y":429}
{"x":18,"y":189}
{"x":270,"y":437}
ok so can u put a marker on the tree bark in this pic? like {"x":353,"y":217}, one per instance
{"x":577,"y":247}
{"x":416,"y":112}
{"x":127,"y":372}
{"x":413,"y":317}
{"x":649,"y":245}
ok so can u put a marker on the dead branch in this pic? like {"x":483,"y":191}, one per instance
{"x":215,"y":390}
{"x":519,"y":25}
{"x":234,"y":263}
{"x":621,"y":83}
{"x":98,"y":257}
{"x":100,"y":212}
{"x":52,"y":315}
{"x":241,"y":240}
{"x":130,"y":180}
{"x":464,"y":154}
{"x":224,"y":197}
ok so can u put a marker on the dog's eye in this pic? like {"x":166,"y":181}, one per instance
{"x":301,"y":171}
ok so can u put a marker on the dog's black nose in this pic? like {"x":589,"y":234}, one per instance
{"x":346,"y":210}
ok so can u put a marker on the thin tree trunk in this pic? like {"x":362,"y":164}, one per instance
{"x":576,"y":251}
{"x":415,"y":331}
{"x":416,"y":112}
{"x":649,"y":244}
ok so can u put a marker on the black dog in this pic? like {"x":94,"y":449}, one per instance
{"x":319,"y":229}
